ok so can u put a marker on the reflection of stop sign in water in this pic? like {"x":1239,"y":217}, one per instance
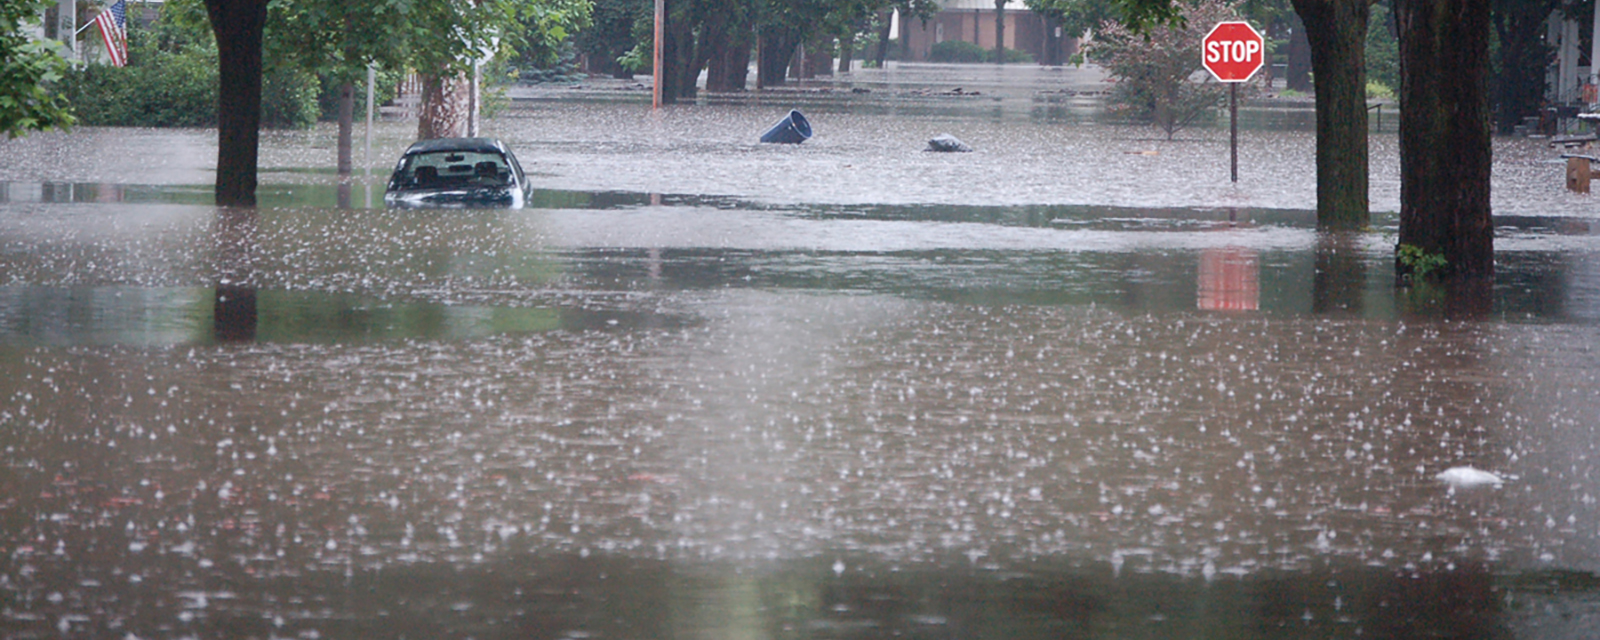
{"x":1232,"y":52}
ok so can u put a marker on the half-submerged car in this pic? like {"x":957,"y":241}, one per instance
{"x":457,"y":172}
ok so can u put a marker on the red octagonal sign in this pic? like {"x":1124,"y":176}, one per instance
{"x":1232,"y":52}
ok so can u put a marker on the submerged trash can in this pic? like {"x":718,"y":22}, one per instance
{"x":793,"y":129}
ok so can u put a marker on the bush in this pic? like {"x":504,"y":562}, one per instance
{"x":171,"y":81}
{"x":963,"y":51}
{"x":1015,"y":56}
{"x":565,"y":70}
{"x":957,"y":51}
{"x":159,"y":89}
{"x":1379,"y":91}
{"x":289,"y":99}
{"x":1158,"y":73}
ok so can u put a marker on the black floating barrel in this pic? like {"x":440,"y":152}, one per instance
{"x":793,"y":129}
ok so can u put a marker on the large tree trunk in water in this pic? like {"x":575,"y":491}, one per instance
{"x":772,"y":62}
{"x":445,"y":102}
{"x":1445,"y":147}
{"x":736,"y":63}
{"x":847,"y":52}
{"x":238,"y":25}
{"x":1052,"y":41}
{"x":1337,"y":32}
{"x":347,"y":107}
{"x":692,"y":58}
{"x":726,"y":43}
{"x":819,"y":62}
{"x":1000,"y":31}
{"x":680,"y":66}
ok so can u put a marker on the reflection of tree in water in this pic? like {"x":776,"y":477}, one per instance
{"x":1340,"y":279}
{"x":233,"y":314}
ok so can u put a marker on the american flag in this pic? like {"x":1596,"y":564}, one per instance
{"x":113,"y":24}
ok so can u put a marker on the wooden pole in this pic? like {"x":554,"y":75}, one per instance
{"x":372,"y":79}
{"x":1233,"y":129}
{"x":1579,"y":174}
{"x":67,"y":28}
{"x":472,"y":98}
{"x":661,"y":16}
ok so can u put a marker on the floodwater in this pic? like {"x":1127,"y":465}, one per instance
{"x":1074,"y":384}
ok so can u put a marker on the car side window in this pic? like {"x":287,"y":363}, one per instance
{"x":516,"y":167}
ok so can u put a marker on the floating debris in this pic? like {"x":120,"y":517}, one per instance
{"x":1468,"y":478}
{"x":946,"y":143}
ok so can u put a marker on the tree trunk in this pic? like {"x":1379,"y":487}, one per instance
{"x":1000,"y":31}
{"x":678,"y":55}
{"x":847,"y":52}
{"x":738,"y":62}
{"x":238,"y":25}
{"x":819,"y":62}
{"x":719,"y":74}
{"x":726,"y":44}
{"x":693,"y":54}
{"x":797,"y":63}
{"x":444,"y":107}
{"x":1052,"y":41}
{"x":772,"y":61}
{"x":1297,"y":76}
{"x":1522,"y":57}
{"x":884,"y":34}
{"x":1337,"y":33}
{"x":347,"y":108}
{"x":1445,"y":147}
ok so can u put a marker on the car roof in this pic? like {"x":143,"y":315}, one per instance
{"x":456,"y":144}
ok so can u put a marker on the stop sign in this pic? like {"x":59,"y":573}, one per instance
{"x":1232,"y":52}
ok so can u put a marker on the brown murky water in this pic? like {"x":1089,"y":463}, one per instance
{"x":708,"y":388}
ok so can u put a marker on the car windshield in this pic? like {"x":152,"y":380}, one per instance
{"x":452,"y":169}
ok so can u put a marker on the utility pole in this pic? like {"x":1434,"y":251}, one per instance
{"x":661,"y":18}
{"x":1594,"y":50}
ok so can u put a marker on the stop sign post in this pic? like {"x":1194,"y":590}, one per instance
{"x":1233,"y":52}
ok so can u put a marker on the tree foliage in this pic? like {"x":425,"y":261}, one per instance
{"x":171,"y":80}
{"x":30,"y":75}
{"x":718,"y":36}
{"x":1159,"y":78}
{"x":611,"y":34}
{"x":1078,"y":17}
{"x":1383,"y":51}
